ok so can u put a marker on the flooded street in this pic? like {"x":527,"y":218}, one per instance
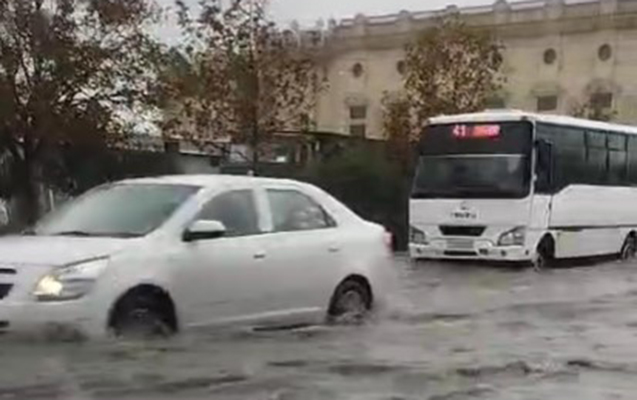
{"x":451,"y":332}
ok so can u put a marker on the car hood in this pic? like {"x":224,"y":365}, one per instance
{"x":56,"y":250}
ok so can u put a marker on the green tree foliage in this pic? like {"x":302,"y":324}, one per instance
{"x":69,"y":69}
{"x":236,"y":77}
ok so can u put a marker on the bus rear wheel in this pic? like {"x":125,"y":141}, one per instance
{"x":629,"y":248}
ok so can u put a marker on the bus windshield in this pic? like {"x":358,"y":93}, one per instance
{"x":475,"y":161}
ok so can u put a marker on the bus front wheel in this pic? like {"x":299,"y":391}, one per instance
{"x":629,"y":248}
{"x":544,"y":254}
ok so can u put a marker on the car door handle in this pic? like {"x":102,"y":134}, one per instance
{"x":334,"y":248}
{"x":259,"y":256}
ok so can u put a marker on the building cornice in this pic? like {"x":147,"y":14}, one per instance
{"x":506,"y":20}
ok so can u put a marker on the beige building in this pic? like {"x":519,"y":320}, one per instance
{"x":557,"y":54}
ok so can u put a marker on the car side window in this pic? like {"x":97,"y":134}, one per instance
{"x":236,"y":210}
{"x":294,"y":211}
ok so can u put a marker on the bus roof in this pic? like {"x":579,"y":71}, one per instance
{"x":517,"y":115}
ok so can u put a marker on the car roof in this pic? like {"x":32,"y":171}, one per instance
{"x":209,"y":180}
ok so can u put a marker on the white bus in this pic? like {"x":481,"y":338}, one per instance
{"x":516,"y":186}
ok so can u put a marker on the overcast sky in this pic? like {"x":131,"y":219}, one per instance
{"x":307,"y":12}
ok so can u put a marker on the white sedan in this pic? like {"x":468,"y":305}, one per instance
{"x":161,"y":255}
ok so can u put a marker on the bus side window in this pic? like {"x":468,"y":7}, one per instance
{"x":568,"y":153}
{"x":596,"y":158}
{"x":617,"y":159}
{"x":632,"y":160}
{"x":544,"y":166}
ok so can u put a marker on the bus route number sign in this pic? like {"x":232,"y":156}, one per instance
{"x":476,"y":131}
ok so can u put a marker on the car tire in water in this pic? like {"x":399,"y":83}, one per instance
{"x":140,"y":316}
{"x":351,"y":302}
{"x":629,"y":248}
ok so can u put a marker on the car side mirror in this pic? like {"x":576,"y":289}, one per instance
{"x":544,"y":165}
{"x":204,"y":230}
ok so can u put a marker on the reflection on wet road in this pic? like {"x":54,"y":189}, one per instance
{"x":451,"y":332}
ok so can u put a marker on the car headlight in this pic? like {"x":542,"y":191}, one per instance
{"x":416,"y":236}
{"x":69,"y":282}
{"x":514,"y":237}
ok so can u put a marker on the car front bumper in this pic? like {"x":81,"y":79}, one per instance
{"x":51,"y":319}
{"x":487,"y":253}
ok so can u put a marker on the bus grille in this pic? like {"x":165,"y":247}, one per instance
{"x":474,"y":231}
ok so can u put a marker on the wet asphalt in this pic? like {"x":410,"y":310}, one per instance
{"x":450,"y":332}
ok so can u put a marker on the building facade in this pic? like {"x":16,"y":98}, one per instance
{"x":558,"y":56}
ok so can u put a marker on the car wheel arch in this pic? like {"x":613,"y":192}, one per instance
{"x":167,"y":302}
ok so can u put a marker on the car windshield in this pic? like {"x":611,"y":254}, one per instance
{"x":472,"y":176}
{"x":120,"y":210}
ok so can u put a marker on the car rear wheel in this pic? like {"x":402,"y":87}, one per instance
{"x":141,"y":317}
{"x":351,"y":302}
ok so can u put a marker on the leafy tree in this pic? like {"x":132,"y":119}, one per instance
{"x":237,"y":77}
{"x":450,"y":68}
{"x":68,"y":71}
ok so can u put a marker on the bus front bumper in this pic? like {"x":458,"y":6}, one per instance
{"x":487,"y":252}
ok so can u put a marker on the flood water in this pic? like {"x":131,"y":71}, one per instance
{"x":451,"y":332}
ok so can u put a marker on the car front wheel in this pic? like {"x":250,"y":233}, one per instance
{"x":140,"y":317}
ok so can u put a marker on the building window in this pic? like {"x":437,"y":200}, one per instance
{"x":550,"y":55}
{"x":601,"y":101}
{"x":605,"y":52}
{"x":401,"y":67}
{"x":358,"y":130}
{"x":547,"y":103}
{"x":358,"y":112}
{"x":357,"y":70}
{"x":358,"y":120}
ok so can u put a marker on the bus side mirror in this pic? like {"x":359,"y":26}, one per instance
{"x":544,"y":166}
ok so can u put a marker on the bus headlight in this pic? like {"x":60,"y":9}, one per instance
{"x":416,"y":236}
{"x":514,"y":237}
{"x":70,"y":282}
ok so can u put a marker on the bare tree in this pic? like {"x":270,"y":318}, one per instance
{"x":240,"y":78}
